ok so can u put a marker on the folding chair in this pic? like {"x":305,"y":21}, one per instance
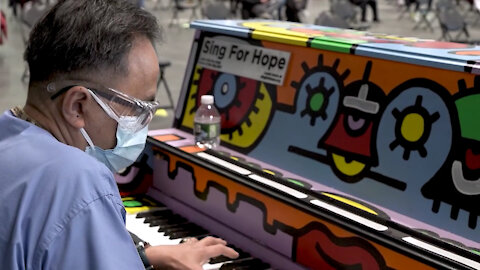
{"x":444,"y":4}
{"x":450,"y":21}
{"x":215,"y":11}
{"x":182,"y":5}
{"x":327,"y":19}
{"x":234,"y":6}
{"x":275,"y":8}
{"x":424,"y":8}
{"x":404,"y":8}
{"x":476,"y":4}
{"x":345,"y":10}
{"x":163,"y":65}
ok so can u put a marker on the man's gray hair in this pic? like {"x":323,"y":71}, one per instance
{"x":86,"y":36}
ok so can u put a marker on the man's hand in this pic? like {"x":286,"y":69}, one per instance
{"x":191,"y":254}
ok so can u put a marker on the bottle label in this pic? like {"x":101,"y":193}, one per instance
{"x":206,"y":131}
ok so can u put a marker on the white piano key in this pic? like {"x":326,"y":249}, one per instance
{"x":147,"y":233}
{"x":214,"y":266}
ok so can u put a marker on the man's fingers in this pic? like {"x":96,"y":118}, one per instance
{"x":215,"y":247}
{"x":190,"y":240}
{"x":219,"y":249}
{"x":210,"y":240}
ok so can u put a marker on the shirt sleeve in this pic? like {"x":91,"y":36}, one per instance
{"x":95,"y":238}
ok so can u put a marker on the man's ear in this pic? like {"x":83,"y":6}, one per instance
{"x":74,"y":104}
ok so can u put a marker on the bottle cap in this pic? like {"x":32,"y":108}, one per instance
{"x":207,"y":99}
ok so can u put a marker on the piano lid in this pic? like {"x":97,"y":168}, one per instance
{"x":446,"y":55}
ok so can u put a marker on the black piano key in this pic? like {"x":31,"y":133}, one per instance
{"x":160,"y":214}
{"x":165,"y":221}
{"x":155,"y":212}
{"x":163,"y":227}
{"x":221,"y":258}
{"x":253,"y":263}
{"x":167,"y":215}
{"x":187,"y":232}
{"x":151,"y":219}
{"x":183,"y":234}
{"x":182,"y":227}
{"x":211,"y":234}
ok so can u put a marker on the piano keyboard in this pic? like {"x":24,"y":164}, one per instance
{"x":161,"y":226}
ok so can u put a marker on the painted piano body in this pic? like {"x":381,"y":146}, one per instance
{"x":339,"y":148}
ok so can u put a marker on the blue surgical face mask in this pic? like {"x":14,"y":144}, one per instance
{"x":129,"y":147}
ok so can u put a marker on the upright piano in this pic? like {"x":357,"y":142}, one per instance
{"x":339,"y":149}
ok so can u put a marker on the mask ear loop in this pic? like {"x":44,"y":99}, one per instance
{"x":87,"y":138}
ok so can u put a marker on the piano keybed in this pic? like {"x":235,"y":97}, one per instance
{"x":159,"y":225}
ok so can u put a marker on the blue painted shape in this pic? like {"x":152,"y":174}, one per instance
{"x":415,"y":170}
{"x":225,"y":90}
{"x":228,"y":27}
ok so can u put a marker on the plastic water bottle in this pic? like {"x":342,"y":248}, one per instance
{"x":206,"y":127}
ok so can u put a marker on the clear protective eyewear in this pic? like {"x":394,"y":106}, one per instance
{"x":131,"y":113}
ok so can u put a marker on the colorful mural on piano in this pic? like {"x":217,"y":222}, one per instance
{"x":388,"y":119}
{"x":302,"y":237}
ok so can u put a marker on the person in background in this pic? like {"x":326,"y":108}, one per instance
{"x":293,"y":8}
{"x":93,"y":78}
{"x":255,"y":9}
{"x":363,"y":6}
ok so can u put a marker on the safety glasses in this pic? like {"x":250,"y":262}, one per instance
{"x":131,"y":113}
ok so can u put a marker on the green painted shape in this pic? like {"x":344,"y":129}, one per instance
{"x":334,"y":44}
{"x":295,"y":182}
{"x":475,"y":251}
{"x":132,"y":203}
{"x":331,"y":46}
{"x":468,"y":108}
{"x":316,"y":102}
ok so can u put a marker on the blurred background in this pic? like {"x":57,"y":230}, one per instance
{"x":448,"y":20}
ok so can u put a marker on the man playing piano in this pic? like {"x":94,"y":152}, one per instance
{"x":93,"y":78}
